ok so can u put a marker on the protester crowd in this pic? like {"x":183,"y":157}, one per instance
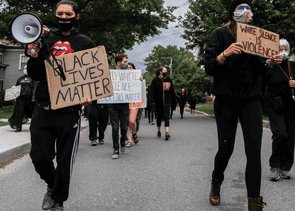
{"x":243,"y":85}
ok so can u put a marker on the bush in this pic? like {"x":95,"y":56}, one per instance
{"x":3,"y":102}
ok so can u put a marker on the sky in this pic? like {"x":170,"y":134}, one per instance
{"x":170,"y":36}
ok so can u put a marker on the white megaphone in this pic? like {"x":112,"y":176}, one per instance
{"x":26,"y":28}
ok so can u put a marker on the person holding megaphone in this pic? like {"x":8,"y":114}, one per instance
{"x":62,"y":125}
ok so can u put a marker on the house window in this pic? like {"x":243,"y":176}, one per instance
{"x":23,"y":61}
{"x":1,"y":58}
{"x":1,"y":85}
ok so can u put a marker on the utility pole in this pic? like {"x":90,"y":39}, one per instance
{"x":170,"y":64}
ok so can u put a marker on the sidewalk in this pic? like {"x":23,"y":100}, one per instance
{"x":13,"y":144}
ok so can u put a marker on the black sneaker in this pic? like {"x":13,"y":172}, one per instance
{"x":101,"y":141}
{"x":57,"y":207}
{"x":284,"y":174}
{"x":115,"y":154}
{"x":93,"y":143}
{"x":47,"y":201}
{"x":159,"y":134}
{"x":167,"y":136}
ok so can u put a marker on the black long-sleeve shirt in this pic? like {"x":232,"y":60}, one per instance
{"x":240,"y":76}
{"x":60,"y":45}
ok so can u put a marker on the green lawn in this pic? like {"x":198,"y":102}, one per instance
{"x":6,"y":111}
{"x":208,"y":109}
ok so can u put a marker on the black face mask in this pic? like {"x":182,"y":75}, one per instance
{"x":65,"y":25}
{"x":164,"y":74}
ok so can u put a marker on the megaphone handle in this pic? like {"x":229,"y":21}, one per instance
{"x":26,"y":51}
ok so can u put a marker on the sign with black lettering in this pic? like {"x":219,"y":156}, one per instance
{"x":87,"y":75}
{"x":258,"y":41}
{"x":143,"y":102}
{"x":126,"y":86}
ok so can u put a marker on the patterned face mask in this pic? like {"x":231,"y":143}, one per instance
{"x":243,"y":15}
{"x":284,"y":54}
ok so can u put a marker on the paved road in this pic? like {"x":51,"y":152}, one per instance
{"x":154,"y":175}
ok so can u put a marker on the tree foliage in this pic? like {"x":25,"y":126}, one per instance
{"x":207,"y":15}
{"x":115,"y":24}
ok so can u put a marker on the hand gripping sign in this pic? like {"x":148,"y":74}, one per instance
{"x":258,"y":41}
{"x":12,"y":93}
{"x":87,"y":75}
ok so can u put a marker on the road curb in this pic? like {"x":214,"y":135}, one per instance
{"x":14,"y":152}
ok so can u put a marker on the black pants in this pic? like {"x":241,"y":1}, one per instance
{"x":282,"y":125}
{"x":98,"y":119}
{"x":55,"y":134}
{"x":138,"y":117}
{"x":181,"y":106}
{"x":119,"y":115}
{"x":23,"y":109}
{"x":163,"y":113}
{"x":151,"y":114}
{"x":227,"y":113}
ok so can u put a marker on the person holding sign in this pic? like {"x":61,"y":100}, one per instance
{"x":62,"y":125}
{"x":237,"y":87}
{"x":162,"y":96}
{"x":279,"y":105}
{"x":119,"y":114}
{"x":24,"y":105}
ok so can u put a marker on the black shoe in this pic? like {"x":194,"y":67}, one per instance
{"x":58,"y":206}
{"x":159,"y":134}
{"x":181,"y":117}
{"x":47,"y":201}
{"x":18,"y":129}
{"x":101,"y":141}
{"x":167,"y":136}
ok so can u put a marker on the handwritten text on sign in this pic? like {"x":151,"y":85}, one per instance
{"x":258,"y":41}
{"x":126,"y":87}
{"x":12,"y":93}
{"x":143,"y":102}
{"x":87,"y":75}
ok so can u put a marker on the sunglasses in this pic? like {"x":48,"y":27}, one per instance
{"x":243,"y":7}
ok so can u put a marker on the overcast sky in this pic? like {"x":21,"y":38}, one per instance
{"x":169,"y":36}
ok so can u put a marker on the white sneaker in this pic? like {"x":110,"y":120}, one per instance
{"x":115,"y":154}
{"x":93,"y":143}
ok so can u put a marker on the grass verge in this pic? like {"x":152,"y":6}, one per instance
{"x":6,"y":111}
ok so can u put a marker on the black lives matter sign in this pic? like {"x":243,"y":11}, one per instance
{"x":87,"y":75}
{"x":258,"y":41}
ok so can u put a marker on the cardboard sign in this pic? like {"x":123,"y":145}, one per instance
{"x":258,"y":41}
{"x":141,"y":104}
{"x":87,"y":75}
{"x":126,"y":87}
{"x":12,"y":93}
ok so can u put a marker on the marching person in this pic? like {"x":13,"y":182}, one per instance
{"x":132,"y":119}
{"x":24,"y":105}
{"x":162,"y":96}
{"x":279,"y":106}
{"x":237,"y":87}
{"x":98,"y":120}
{"x":62,"y":125}
{"x":119,"y":114}
{"x":182,"y":101}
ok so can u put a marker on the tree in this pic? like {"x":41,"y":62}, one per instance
{"x":191,"y":77}
{"x":207,"y":15}
{"x":115,"y":24}
{"x":158,"y":57}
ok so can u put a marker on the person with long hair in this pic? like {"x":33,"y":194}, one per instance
{"x":237,"y":87}
{"x":132,"y":119}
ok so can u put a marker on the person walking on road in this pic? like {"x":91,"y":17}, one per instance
{"x":182,"y":101}
{"x":24,"y":105}
{"x":237,"y":87}
{"x":132,"y":120}
{"x":279,"y":106}
{"x":162,"y":96}
{"x":119,"y":114}
{"x":98,"y":120}
{"x":193,"y":102}
{"x":55,"y":133}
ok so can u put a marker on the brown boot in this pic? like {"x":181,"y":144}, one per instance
{"x":215,"y":195}
{"x":255,"y":204}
